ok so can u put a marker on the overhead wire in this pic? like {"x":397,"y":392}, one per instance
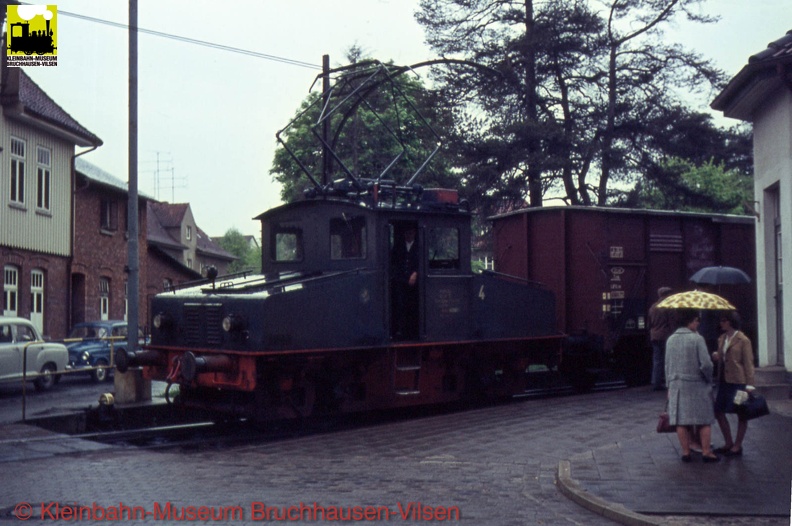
{"x":197,"y":42}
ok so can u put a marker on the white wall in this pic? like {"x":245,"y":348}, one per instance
{"x":773,"y":172}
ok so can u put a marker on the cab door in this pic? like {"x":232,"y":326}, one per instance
{"x":405,"y":280}
{"x":447,"y":283}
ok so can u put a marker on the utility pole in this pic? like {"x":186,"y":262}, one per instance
{"x":133,"y":284}
{"x":326,"y":160}
{"x":130,"y":386}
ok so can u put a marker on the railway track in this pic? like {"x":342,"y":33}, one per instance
{"x":208,"y":434}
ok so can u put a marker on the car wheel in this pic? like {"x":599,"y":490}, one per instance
{"x":47,"y":378}
{"x":100,"y":375}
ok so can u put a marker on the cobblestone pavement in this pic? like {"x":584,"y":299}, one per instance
{"x":495,"y":465}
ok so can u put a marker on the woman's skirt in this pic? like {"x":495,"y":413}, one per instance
{"x":690,"y":403}
{"x":724,"y":401}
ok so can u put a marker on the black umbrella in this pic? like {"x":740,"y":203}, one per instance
{"x":720,"y":276}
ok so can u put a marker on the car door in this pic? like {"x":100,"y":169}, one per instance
{"x":10,"y":357}
{"x":23,"y":335}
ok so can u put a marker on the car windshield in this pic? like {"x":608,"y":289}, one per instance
{"x":88,"y":331}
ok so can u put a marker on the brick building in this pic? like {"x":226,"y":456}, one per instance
{"x":98,"y":280}
{"x":37,"y":151}
{"x":63,"y":222}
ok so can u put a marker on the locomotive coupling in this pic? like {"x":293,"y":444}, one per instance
{"x":192,"y":365}
{"x":124,"y":359}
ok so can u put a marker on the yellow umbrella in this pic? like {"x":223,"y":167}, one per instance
{"x":696,"y":299}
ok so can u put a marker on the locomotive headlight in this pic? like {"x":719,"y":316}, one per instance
{"x":232,"y":323}
{"x":161,"y":321}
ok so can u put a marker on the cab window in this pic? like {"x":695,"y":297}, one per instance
{"x":348,"y":237}
{"x":443,"y":248}
{"x":286,"y":243}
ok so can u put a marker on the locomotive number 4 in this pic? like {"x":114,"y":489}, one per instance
{"x":481,"y":294}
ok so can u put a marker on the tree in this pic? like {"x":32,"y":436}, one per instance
{"x":707,"y":188}
{"x":237,"y":244}
{"x":498,"y":130}
{"x":580,"y":91}
{"x":643,"y":74}
{"x":381,"y":125}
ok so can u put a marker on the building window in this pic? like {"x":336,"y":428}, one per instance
{"x":188,"y":232}
{"x":109,"y":215}
{"x":10,"y":290}
{"x":104,"y":298}
{"x":43,"y":178}
{"x":37,"y":299}
{"x":17,"y":190}
{"x":167,"y":284}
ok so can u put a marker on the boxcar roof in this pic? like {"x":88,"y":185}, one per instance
{"x":718,"y":218}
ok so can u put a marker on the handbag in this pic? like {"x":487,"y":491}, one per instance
{"x":663,"y":425}
{"x":754,"y":407}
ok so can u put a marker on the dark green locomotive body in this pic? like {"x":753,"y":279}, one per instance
{"x":322,"y":317}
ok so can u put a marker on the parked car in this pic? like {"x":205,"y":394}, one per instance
{"x":21,"y":343}
{"x":90,"y":344}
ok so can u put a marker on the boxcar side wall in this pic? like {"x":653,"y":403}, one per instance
{"x":547,"y":259}
{"x":605,"y":266}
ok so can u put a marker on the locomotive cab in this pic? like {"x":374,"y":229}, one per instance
{"x":360,"y":238}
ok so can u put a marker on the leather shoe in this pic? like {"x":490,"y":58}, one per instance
{"x":707,"y":460}
{"x":730,"y":453}
{"x":687,"y":458}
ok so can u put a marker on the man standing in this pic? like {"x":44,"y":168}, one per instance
{"x":662,"y":323}
{"x":404,"y":265}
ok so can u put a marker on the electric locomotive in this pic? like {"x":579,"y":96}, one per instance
{"x":324,"y":329}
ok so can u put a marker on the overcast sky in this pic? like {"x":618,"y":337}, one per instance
{"x":208,"y":117}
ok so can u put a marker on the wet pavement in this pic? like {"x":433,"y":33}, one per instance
{"x":589,"y":459}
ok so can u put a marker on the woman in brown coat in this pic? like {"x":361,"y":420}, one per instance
{"x":735,"y":372}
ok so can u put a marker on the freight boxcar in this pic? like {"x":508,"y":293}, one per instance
{"x":605,"y":266}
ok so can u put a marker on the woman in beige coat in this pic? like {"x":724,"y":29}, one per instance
{"x":735,"y":361}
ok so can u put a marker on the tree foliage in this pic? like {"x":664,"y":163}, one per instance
{"x":387,"y":131}
{"x":588,"y":99}
{"x":237,"y":244}
{"x":709,"y":187}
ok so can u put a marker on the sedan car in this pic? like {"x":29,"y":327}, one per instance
{"x":20,"y":343}
{"x":90,"y":344}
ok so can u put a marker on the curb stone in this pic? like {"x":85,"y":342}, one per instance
{"x":572,"y":490}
